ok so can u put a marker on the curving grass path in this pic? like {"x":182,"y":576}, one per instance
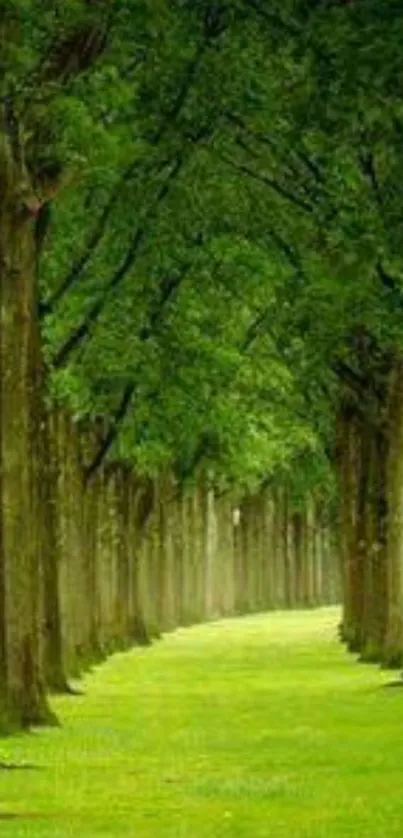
{"x":261,"y":727}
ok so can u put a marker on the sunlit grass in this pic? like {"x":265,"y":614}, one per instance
{"x":261,"y":727}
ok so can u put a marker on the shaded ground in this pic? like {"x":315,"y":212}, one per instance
{"x":261,"y":727}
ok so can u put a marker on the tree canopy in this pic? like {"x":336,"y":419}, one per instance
{"x":216,"y":193}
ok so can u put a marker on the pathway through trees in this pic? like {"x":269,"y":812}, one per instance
{"x":251,"y":728}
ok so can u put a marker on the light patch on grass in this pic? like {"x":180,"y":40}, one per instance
{"x":261,"y":727}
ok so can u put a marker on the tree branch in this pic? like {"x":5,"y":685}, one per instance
{"x":82,"y":331}
{"x":282,"y":191}
{"x":272,"y":18}
{"x":276,"y":22}
{"x":98,"y":233}
{"x":168,"y":289}
{"x":94,"y":240}
{"x":113,"y":431}
{"x":390,"y":283}
{"x":300,"y":154}
{"x":368,"y":168}
{"x":290,"y":168}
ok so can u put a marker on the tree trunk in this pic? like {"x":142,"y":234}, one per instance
{"x":393,"y":644}
{"x":351,"y":560}
{"x":48,"y":522}
{"x":20,"y":405}
{"x":375,"y":548}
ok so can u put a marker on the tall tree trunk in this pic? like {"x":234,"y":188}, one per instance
{"x":47,"y":512}
{"x":19,"y":405}
{"x":375,"y":551}
{"x":393,"y":644}
{"x":351,"y":564}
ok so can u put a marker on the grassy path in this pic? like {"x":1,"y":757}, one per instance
{"x":254,"y":728}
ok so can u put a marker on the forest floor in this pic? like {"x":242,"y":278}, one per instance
{"x":261,"y":727}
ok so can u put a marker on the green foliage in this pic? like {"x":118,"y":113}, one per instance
{"x":230,"y":217}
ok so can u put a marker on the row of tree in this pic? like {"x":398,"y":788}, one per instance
{"x":200,"y":256}
{"x":124,"y":559}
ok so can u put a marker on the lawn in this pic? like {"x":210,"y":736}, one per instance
{"x":261,"y":727}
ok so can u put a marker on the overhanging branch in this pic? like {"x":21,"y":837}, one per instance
{"x":273,"y":184}
{"x":113,"y":431}
{"x":82,"y":331}
{"x":168,"y":289}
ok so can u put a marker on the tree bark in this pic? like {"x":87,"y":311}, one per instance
{"x":20,"y":406}
{"x":393,"y":642}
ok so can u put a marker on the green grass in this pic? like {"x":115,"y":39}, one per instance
{"x":261,"y":727}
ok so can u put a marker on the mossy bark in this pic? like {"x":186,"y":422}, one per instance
{"x":20,"y":400}
{"x":47,"y":512}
